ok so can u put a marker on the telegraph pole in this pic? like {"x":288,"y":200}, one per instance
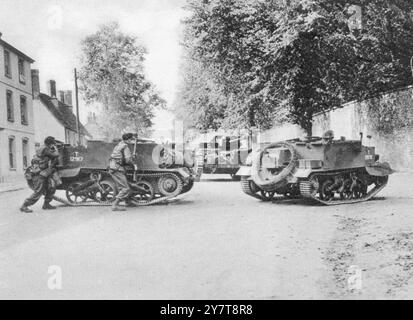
{"x":411,"y":65}
{"x":77,"y":110}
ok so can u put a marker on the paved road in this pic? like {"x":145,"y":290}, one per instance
{"x":214,"y":243}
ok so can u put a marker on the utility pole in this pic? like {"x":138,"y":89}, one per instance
{"x":77,"y":110}
{"x":411,"y":64}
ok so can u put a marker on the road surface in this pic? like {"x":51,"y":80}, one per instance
{"x":213,"y":243}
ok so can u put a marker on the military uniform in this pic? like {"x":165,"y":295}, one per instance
{"x":121,"y":156}
{"x":40,"y":177}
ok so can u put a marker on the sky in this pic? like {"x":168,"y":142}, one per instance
{"x":50,"y":32}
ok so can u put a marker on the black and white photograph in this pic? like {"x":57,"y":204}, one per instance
{"x":225,"y":151}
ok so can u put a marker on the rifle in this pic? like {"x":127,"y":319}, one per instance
{"x":135,"y":166}
{"x":135,"y":149}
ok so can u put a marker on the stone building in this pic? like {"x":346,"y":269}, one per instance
{"x":17,"y":142}
{"x":53,"y":114}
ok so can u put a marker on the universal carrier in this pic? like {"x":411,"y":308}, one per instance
{"x":325,"y":170}
{"x":157,"y":174}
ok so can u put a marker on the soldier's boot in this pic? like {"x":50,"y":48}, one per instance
{"x":129,"y":203}
{"x":48,"y":206}
{"x":25,"y":208}
{"x":116,"y":207}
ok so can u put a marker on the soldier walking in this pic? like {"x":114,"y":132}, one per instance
{"x":39,"y":175}
{"x":120,"y":157}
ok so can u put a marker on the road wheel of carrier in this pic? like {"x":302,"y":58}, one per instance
{"x":170,"y":185}
{"x":345,"y":192}
{"x":326,"y":193}
{"x":360,"y":191}
{"x":75,"y":197}
{"x":145,"y":192}
{"x":188,"y":186}
{"x":108,"y":191}
{"x":267,"y":195}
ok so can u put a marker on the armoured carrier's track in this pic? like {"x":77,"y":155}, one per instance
{"x":140,"y":203}
{"x":307,"y":191}
{"x":246,"y":187}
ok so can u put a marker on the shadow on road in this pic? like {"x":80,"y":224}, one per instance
{"x":303,"y":202}
{"x":219,"y":180}
{"x":180,"y":202}
{"x":30,"y":226}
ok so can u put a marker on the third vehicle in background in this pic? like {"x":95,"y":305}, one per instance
{"x":223,"y":154}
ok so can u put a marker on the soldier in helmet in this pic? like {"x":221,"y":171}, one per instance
{"x":328,"y":136}
{"x":39,"y":175}
{"x":120,"y":157}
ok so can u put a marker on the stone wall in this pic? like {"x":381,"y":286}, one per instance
{"x":354,"y":118}
{"x":282,"y":132}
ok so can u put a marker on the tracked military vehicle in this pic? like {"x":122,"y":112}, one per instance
{"x":327,"y":171}
{"x":157,"y":173}
{"x":223,"y":154}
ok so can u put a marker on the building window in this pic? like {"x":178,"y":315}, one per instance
{"x":22,"y":74}
{"x":70,"y":137}
{"x":25,"y":151}
{"x":23,"y":110}
{"x":10,"y":108}
{"x":12,"y":153}
{"x":7,"y":64}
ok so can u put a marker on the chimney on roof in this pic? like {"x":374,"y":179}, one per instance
{"x":51,"y":88}
{"x":91,"y":118}
{"x":61,"y":96}
{"x":35,"y":83}
{"x":68,"y":99}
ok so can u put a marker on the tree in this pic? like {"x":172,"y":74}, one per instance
{"x":112,"y":74}
{"x":286,"y":60}
{"x":199,"y":102}
{"x":220,"y":40}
